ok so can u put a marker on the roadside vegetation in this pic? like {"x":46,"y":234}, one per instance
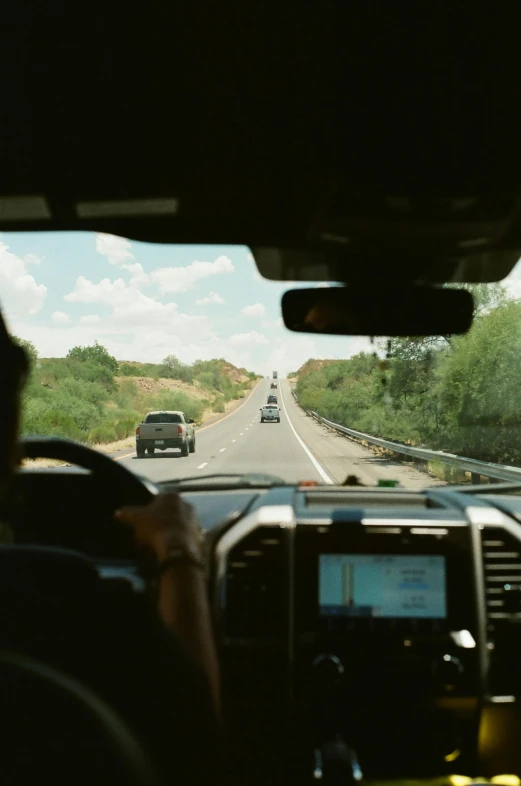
{"x":459,"y":394}
{"x":91,"y":397}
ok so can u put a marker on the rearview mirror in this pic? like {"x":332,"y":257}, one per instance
{"x":393,"y":311}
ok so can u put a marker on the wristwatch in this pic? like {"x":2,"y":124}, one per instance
{"x":174,"y":556}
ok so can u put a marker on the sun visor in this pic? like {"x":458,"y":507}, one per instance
{"x":350,"y":267}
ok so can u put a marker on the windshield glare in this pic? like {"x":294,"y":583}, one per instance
{"x":117,"y":329}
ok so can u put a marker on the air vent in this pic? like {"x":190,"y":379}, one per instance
{"x":256,"y":595}
{"x":502,"y":569}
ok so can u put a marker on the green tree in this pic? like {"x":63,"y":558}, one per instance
{"x":94,"y":353}
{"x":486,"y":296}
{"x":172,"y":368}
{"x":30,"y":349}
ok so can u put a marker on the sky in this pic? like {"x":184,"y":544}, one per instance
{"x":144,"y":301}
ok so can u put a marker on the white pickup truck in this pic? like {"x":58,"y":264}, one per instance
{"x":270,"y":413}
{"x":163,"y":430}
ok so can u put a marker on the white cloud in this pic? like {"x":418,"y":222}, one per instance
{"x":138,"y":327}
{"x":270,"y":323}
{"x":255,"y":310}
{"x":159,"y":316}
{"x":32,"y":259}
{"x":20,"y":293}
{"x":181,"y":279}
{"x":247,"y":339}
{"x":89,"y":319}
{"x":138,"y":276}
{"x":292,"y":351}
{"x":116,"y":249}
{"x":125,"y":314}
{"x":212,"y":297}
{"x":108,"y":291}
{"x":60,"y":318}
{"x":131,"y":307}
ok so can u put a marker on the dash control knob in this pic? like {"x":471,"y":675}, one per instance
{"x":328,"y":667}
{"x":449,"y":671}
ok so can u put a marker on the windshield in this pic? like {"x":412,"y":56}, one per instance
{"x":118,"y":329}
{"x":163,"y":417}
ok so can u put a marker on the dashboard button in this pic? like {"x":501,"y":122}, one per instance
{"x":448,"y":673}
{"x":512,"y":598}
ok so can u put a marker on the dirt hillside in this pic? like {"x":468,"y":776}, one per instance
{"x":152,"y":386}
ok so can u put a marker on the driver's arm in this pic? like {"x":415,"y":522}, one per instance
{"x":169,"y":526}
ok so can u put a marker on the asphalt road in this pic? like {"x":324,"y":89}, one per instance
{"x":297,"y":448}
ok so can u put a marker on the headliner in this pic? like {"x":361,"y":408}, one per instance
{"x":252,"y":117}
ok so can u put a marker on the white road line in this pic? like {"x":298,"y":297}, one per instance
{"x":241,"y":434}
{"x":323,"y":474}
{"x":222,"y":450}
{"x":204,"y":464}
{"x":234,"y":440}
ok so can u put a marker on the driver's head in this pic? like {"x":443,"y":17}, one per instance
{"x":13,"y":374}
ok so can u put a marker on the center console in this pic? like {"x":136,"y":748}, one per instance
{"x":385,"y":651}
{"x":352,"y":640}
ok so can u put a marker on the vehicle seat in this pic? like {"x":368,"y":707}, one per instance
{"x":57,"y":731}
{"x":55,"y":608}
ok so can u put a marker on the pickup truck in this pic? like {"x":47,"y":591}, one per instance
{"x":270,"y":413}
{"x":163,"y":430}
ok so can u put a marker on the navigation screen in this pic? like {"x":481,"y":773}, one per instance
{"x":378,"y":585}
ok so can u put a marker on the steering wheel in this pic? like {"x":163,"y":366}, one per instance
{"x":115,"y":486}
{"x":134,"y":490}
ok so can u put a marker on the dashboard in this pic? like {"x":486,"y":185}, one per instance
{"x":374,"y":631}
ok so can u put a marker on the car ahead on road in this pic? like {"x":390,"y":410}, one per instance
{"x":270,"y":414}
{"x":272,"y":400}
{"x":164,"y":430}
{"x":273,"y":386}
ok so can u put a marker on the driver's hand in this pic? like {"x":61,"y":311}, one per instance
{"x":166,"y":523}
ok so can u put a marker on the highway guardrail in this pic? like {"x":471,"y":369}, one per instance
{"x":478,"y":469}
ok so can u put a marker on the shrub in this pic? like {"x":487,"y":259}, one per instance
{"x":96,"y":354}
{"x":101,"y":434}
{"x":178,"y":400}
{"x":219,"y":404}
{"x":78,"y":397}
{"x":126,"y":370}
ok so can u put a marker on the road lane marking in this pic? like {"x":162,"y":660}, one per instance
{"x":241,"y":434}
{"x":323,"y":474}
{"x":234,"y":440}
{"x":204,"y":464}
{"x":198,"y":431}
{"x":254,"y":388}
{"x":222,"y":450}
